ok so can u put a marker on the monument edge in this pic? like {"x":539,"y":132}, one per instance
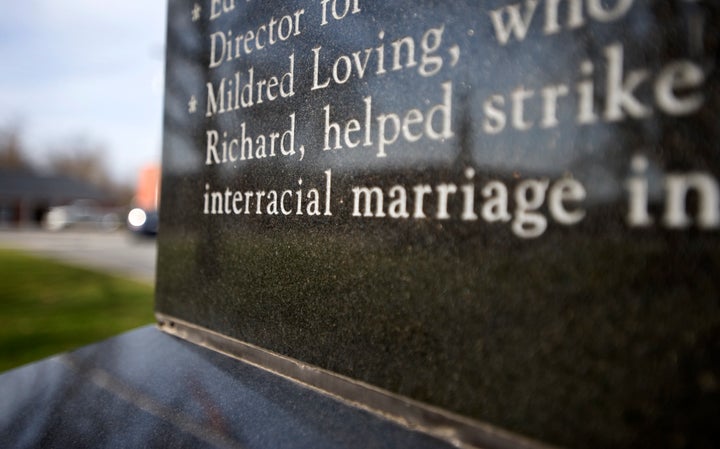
{"x":460,"y":431}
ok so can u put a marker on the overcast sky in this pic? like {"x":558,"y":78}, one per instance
{"x":90,"y":69}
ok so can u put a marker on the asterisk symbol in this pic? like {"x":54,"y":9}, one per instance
{"x":192,"y":105}
{"x":196,"y":12}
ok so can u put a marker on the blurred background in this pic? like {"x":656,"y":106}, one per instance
{"x":81,"y":91}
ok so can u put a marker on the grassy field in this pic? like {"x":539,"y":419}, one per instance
{"x":47,"y":307}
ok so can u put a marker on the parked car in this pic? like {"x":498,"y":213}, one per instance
{"x":143,"y":217}
{"x":81,"y":213}
{"x":143,"y":221}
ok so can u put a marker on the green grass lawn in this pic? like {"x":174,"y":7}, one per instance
{"x":47,"y":307}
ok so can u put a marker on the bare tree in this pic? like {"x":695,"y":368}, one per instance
{"x":80,"y":160}
{"x":11,"y":149}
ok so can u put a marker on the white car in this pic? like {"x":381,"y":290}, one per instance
{"x":83,"y":213}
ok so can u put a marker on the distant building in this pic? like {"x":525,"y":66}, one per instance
{"x":25,"y":196}
{"x":148,"y":188}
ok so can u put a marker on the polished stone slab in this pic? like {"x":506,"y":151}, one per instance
{"x":148,"y":389}
{"x":546,"y":256}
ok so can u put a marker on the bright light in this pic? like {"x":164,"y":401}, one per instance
{"x":137,"y":217}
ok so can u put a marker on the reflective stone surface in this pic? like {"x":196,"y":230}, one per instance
{"x":148,"y":389}
{"x":546,"y":257}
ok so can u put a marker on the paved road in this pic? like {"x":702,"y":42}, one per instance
{"x":116,"y":252}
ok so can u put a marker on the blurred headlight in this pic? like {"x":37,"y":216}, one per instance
{"x":137,"y":217}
